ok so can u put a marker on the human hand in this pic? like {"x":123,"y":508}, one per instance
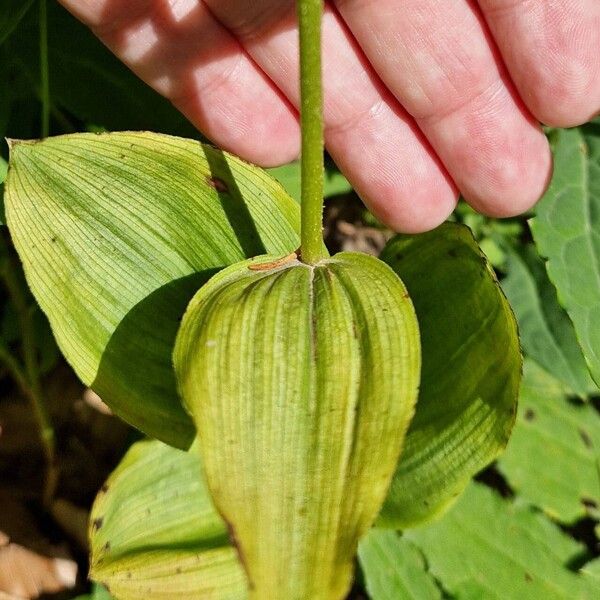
{"x":422,"y":97}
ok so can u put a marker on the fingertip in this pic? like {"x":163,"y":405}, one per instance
{"x":567,"y":97}
{"x":272,"y":144}
{"x":568,"y":115}
{"x":516,"y":182}
{"x":268,"y":137}
{"x":417,"y":208}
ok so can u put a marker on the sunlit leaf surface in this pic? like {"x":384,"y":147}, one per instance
{"x":116,"y":232}
{"x":156,"y":535}
{"x":394,"y":568}
{"x":302,"y":382}
{"x":487,"y":547}
{"x":553,"y":456}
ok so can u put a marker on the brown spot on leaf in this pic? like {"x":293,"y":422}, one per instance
{"x":529,"y":415}
{"x":528,"y":577}
{"x":274,"y":263}
{"x":97,"y":523}
{"x":217,"y":184}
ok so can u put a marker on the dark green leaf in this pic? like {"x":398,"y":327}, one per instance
{"x":11,"y":13}
{"x":88,"y":82}
{"x":471,"y":371}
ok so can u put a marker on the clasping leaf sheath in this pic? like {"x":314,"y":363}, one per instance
{"x":302,"y":381}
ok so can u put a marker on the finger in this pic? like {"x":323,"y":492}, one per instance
{"x":371,"y":138}
{"x":552,"y":50}
{"x":182,"y":51}
{"x":442,"y":67}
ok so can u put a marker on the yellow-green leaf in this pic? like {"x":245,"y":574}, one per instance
{"x":155,"y":533}
{"x":302,"y":382}
{"x":116,"y":233}
{"x":470,"y":377}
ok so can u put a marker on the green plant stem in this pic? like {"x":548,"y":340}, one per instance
{"x":44,"y":70}
{"x":14,"y":369}
{"x":311,"y":92}
{"x":28,"y":378}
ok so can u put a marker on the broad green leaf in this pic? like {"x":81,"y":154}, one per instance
{"x":487,"y":547}
{"x":11,"y":13}
{"x":566,"y":229}
{"x":289,"y":176}
{"x":471,"y":371}
{"x":394,"y":568}
{"x":116,"y":233}
{"x":553,"y":457}
{"x":302,"y":382}
{"x":547,"y":334}
{"x":155,"y":533}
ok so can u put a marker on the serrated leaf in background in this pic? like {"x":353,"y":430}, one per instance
{"x":116,"y":233}
{"x":394,"y":568}
{"x":469,"y":389}
{"x":155,"y":533}
{"x":552,"y":459}
{"x":488,"y":547}
{"x":566,"y":229}
{"x":546,"y":332}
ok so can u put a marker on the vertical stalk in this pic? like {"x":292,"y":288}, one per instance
{"x":28,"y":378}
{"x":311,"y":91}
{"x":44,"y":70}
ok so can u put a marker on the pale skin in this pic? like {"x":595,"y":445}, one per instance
{"x":423,"y":98}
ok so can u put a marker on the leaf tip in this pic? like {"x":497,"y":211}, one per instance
{"x":13,"y":143}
